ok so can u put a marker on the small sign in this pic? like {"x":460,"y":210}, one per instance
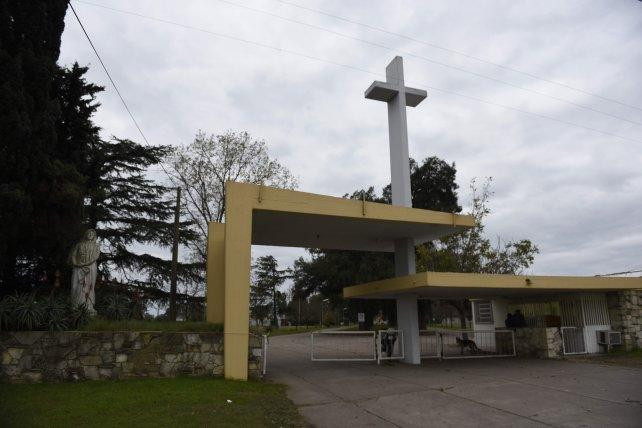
{"x":361,"y":317}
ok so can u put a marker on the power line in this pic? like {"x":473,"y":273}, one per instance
{"x":456,"y":52}
{"x":113,"y":83}
{"x":433,"y":61}
{"x":620,"y":273}
{"x":351,"y":67}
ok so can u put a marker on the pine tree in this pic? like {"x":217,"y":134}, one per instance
{"x":265,"y":298}
{"x":124,"y":206}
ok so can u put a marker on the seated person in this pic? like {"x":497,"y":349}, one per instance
{"x":518,"y":319}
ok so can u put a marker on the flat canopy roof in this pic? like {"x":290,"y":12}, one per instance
{"x":471,"y":285}
{"x":298,"y":219}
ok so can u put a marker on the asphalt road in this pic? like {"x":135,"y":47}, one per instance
{"x":481,"y":392}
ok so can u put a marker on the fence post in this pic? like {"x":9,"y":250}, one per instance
{"x":265,"y":348}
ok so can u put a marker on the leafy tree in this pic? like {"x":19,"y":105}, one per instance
{"x":40,"y":188}
{"x":203,"y":167}
{"x":265,"y":298}
{"x":472,"y":252}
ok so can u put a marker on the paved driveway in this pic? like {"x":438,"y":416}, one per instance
{"x":485,"y":392}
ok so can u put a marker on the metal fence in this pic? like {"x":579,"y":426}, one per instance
{"x":390,"y":345}
{"x":573,"y":340}
{"x":451,"y":344}
{"x":430,"y":345}
{"x":343,"y":346}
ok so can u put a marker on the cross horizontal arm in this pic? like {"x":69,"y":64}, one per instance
{"x":385,"y":91}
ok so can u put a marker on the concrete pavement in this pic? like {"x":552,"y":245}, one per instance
{"x":482,"y":392}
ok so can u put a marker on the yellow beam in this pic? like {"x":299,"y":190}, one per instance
{"x":454,"y":281}
{"x":215,"y":274}
{"x":270,"y":198}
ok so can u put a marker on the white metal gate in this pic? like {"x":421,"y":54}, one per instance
{"x":572,"y":315}
{"x":573,"y":340}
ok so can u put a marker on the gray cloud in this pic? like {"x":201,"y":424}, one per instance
{"x":574,"y":192}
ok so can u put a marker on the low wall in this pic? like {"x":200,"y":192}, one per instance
{"x":34,"y":356}
{"x":538,"y":342}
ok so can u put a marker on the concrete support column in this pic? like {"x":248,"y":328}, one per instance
{"x":407,"y":310}
{"x":407,"y":321}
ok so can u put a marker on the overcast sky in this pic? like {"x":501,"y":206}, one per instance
{"x":575,"y":192}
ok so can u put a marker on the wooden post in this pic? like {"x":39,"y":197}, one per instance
{"x":177,"y":218}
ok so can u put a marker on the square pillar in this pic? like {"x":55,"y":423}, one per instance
{"x":215,"y":275}
{"x":238,"y":255}
{"x":407,"y":310}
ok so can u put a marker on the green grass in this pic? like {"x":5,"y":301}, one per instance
{"x":146,"y":403}
{"x":101,"y":324}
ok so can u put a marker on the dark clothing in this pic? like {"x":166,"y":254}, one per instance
{"x":518,"y":320}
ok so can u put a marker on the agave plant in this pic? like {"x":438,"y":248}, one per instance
{"x":115,"y":307}
{"x":27,"y":313}
{"x":55,"y":312}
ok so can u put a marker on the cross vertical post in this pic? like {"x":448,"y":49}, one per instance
{"x":394,"y":92}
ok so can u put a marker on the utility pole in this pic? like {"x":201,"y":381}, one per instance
{"x":177,"y":218}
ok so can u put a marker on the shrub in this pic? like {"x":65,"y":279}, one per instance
{"x":33,"y":312}
{"x":27,"y":313}
{"x":114,"y":307}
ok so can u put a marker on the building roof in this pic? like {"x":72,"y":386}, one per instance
{"x":473,"y":285}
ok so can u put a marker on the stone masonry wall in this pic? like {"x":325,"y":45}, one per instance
{"x":538,"y":342}
{"x":34,"y":356}
{"x":625,"y":312}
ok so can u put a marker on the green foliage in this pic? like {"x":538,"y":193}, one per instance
{"x":471,"y":251}
{"x":265,"y":298}
{"x":58,"y":177}
{"x":41,"y":189}
{"x":114,"y":307}
{"x":30,"y":311}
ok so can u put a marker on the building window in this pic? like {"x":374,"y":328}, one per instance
{"x":483,"y":312}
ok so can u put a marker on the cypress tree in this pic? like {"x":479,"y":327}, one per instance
{"x":40,"y":190}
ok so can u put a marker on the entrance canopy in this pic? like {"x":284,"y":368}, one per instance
{"x":472,"y":285}
{"x":259,"y":215}
{"x":298,"y":219}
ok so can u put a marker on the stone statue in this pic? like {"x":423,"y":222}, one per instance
{"x":83,"y":258}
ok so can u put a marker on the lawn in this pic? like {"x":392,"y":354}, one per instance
{"x":148,"y":402}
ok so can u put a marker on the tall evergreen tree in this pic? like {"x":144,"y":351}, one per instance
{"x":40,"y":190}
{"x":265,"y":297}
{"x":125,"y":207}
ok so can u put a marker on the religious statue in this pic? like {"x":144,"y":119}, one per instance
{"x":83,"y":259}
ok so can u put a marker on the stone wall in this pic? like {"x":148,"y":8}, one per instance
{"x":33,"y":356}
{"x":538,"y":342}
{"x":626,"y":316}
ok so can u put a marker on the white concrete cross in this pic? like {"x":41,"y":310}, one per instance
{"x":394,"y":92}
